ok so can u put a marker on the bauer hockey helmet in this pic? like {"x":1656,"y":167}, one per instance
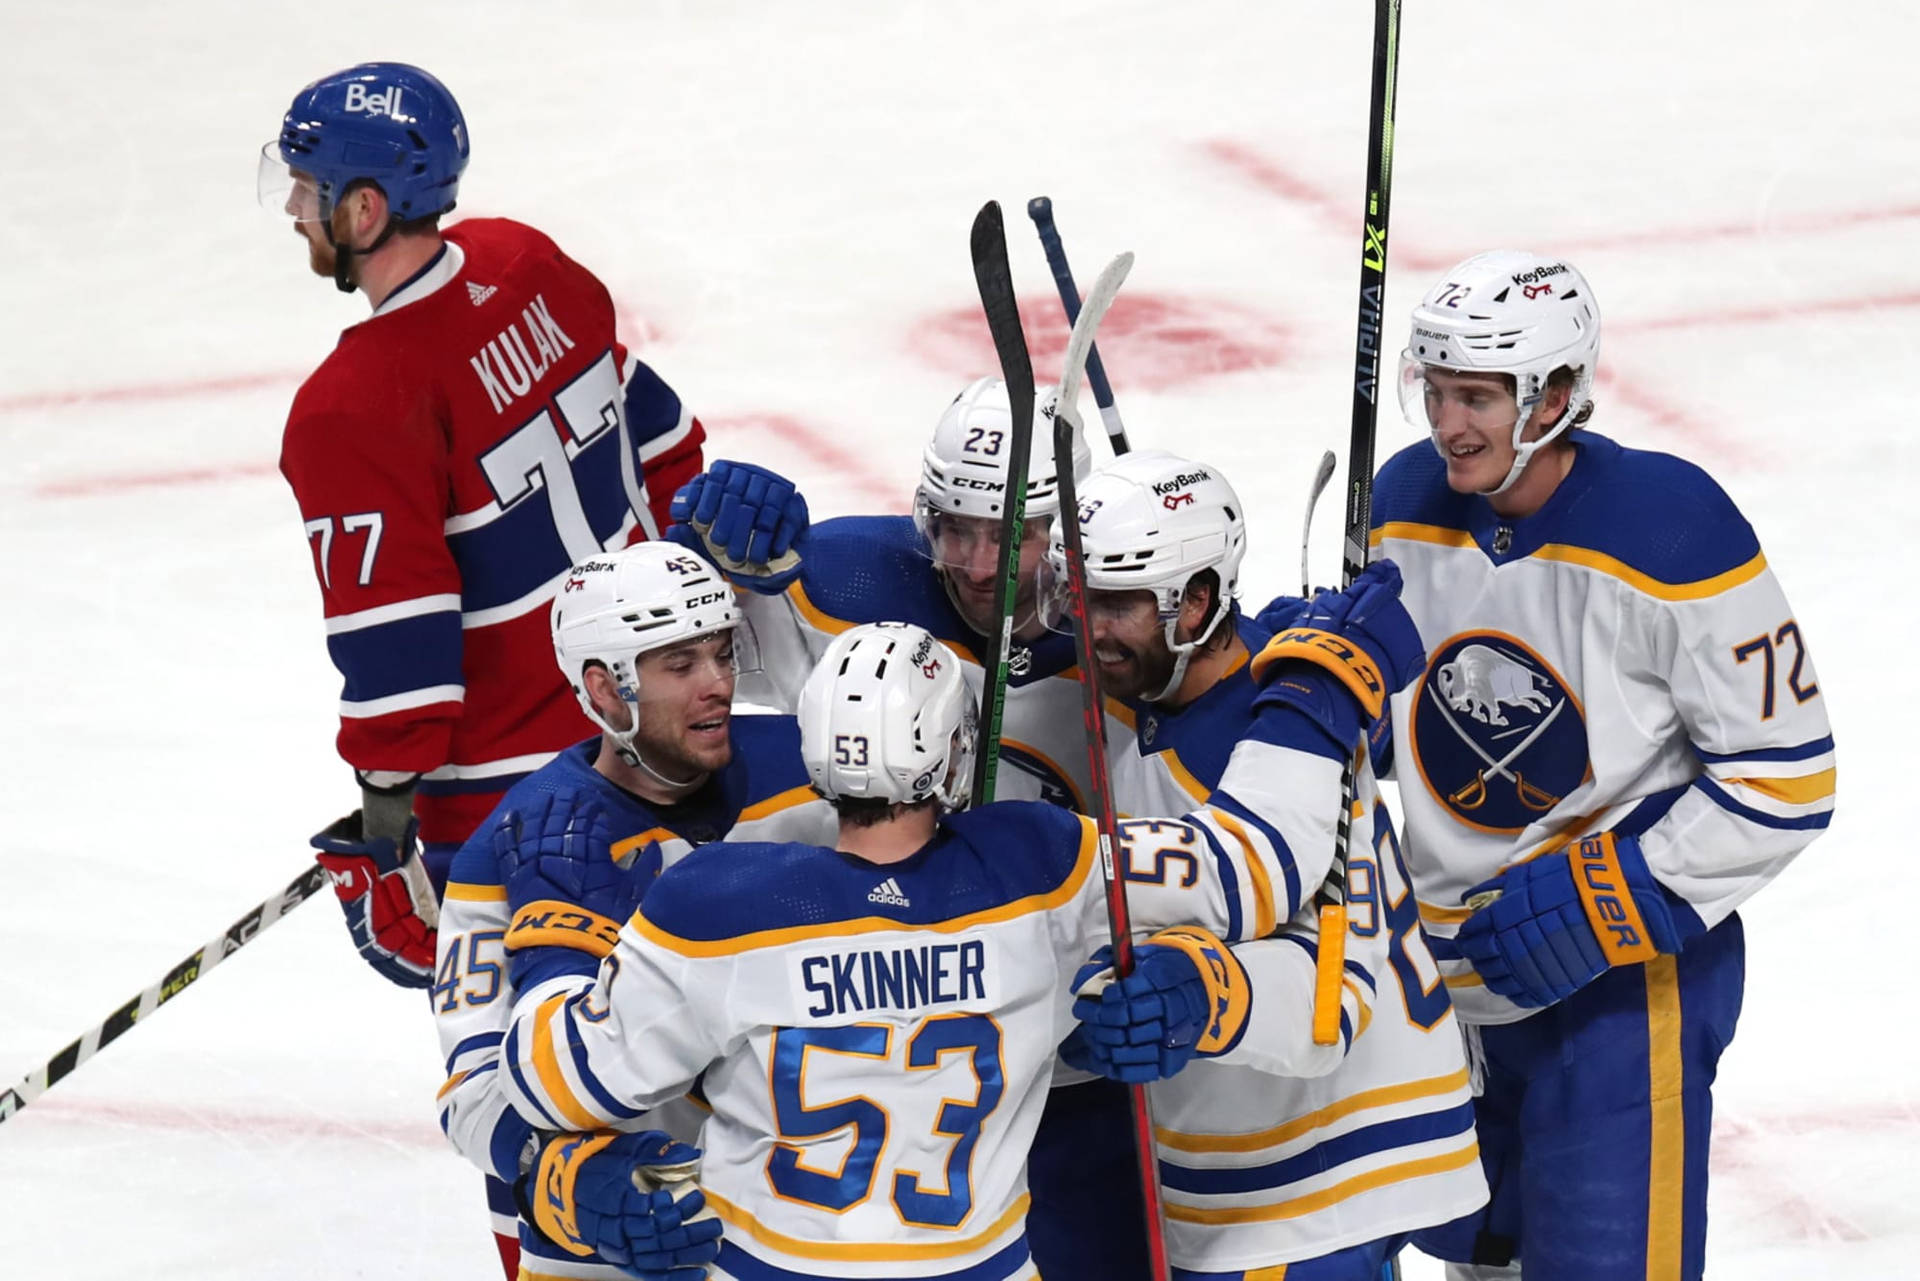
{"x":887,"y":715}
{"x":1506,"y":312}
{"x":382,"y":122}
{"x":963,"y":470}
{"x":616,"y":607}
{"x":1150,"y":521}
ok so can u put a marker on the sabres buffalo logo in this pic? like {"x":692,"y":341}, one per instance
{"x":1498,"y":737}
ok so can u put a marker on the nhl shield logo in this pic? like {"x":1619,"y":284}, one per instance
{"x":1498,"y":737}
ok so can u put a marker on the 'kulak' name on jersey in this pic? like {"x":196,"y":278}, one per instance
{"x":509,"y":365}
{"x":896,"y":978}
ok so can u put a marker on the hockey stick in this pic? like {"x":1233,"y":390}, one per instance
{"x":1366,"y":386}
{"x":1321,"y":475}
{"x":1066,"y":425}
{"x":994,"y":275}
{"x":174,"y":982}
{"x":1040,"y":209}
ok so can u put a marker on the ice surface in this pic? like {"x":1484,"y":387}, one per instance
{"x":779,"y":197}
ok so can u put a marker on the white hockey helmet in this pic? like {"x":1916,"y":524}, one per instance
{"x":1507,"y":312}
{"x":1150,"y":521}
{"x":887,"y":715}
{"x":616,"y":607}
{"x":963,"y":470}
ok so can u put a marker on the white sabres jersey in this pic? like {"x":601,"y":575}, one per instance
{"x":1283,"y":1150}
{"x":870,"y":569}
{"x":761,"y":794}
{"x":1622,"y":659}
{"x":875,"y":1041}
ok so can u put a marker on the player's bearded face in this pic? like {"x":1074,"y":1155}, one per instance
{"x":1472,"y":417}
{"x":303,"y":206}
{"x":1129,"y":643}
{"x":686,"y":701}
{"x":967,"y":550}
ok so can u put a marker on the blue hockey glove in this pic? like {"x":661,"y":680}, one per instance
{"x":392,"y":912}
{"x":1361,"y":641}
{"x":749,"y":521}
{"x":1188,"y":995}
{"x":567,"y":895}
{"x":628,"y":1199}
{"x":1543,"y":930}
{"x":1282,"y":612}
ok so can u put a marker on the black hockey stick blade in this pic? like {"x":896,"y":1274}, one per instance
{"x":994,"y":275}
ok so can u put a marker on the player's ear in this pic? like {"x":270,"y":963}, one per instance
{"x":1196,"y":605}
{"x":1554,"y":398}
{"x":605,"y":694}
{"x":365,"y":207}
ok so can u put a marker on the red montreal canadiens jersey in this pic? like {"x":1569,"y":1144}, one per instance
{"x":457,"y":453}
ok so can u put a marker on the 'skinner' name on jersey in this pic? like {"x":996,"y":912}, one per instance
{"x":895,"y":978}
{"x":519,"y":355}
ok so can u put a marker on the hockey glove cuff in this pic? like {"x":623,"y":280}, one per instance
{"x":1188,"y":996}
{"x":628,"y":1199}
{"x":391,"y":910}
{"x":1543,"y":930}
{"x":1363,"y":636}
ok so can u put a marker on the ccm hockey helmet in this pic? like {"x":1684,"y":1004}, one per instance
{"x":616,"y":607}
{"x":963,"y":470}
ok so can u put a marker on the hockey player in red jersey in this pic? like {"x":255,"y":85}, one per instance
{"x":481,"y":433}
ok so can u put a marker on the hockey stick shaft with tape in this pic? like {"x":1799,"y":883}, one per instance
{"x":170,"y":985}
{"x":1066,"y":427}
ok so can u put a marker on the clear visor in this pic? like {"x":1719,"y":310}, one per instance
{"x":966,"y":551}
{"x":698,"y":666}
{"x":284,"y":190}
{"x":1133,"y":612}
{"x":1433,"y":397}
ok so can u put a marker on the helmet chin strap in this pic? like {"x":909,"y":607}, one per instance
{"x":343,"y":255}
{"x":623,"y":748}
{"x":631,"y":756}
{"x":1182,"y":652}
{"x":1523,"y":451}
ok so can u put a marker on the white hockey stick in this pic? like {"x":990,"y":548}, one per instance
{"x":1321,"y":476}
{"x":1080,"y":344}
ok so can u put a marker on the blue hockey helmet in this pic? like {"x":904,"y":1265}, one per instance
{"x":382,"y":122}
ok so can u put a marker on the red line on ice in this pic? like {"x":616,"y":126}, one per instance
{"x":275,"y":1125}
{"x":1787,"y":225}
{"x":137,"y":393}
{"x":1769,"y":313}
{"x":1335,"y":213}
{"x":819,"y":444}
{"x":1271,"y":176}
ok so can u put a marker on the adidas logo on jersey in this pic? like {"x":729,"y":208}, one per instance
{"x":480,"y":293}
{"x":888,"y":891}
